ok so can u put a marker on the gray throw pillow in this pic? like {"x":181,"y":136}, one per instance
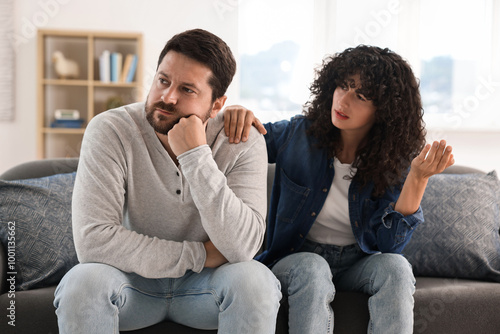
{"x":35,"y":229}
{"x":460,"y":235}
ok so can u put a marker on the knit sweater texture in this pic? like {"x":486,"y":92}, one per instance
{"x":136,"y":210}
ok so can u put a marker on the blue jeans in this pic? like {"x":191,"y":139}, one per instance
{"x":236,"y":298}
{"x":310,"y":278}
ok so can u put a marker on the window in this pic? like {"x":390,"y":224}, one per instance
{"x":372,"y":22}
{"x":456,"y":64}
{"x":453,"y":48}
{"x":276,"y":52}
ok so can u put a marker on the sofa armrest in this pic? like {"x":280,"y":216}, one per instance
{"x":40,"y":168}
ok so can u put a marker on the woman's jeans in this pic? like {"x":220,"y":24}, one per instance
{"x":310,"y":278}
{"x":235,"y":298}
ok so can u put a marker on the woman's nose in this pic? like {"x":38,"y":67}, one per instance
{"x":344,"y":98}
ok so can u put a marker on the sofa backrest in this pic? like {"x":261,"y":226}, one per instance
{"x":47,"y":167}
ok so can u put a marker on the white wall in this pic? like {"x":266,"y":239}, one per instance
{"x":158,"y":20}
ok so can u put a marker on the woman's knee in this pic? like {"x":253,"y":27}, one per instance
{"x":302,"y":271}
{"x":310,"y":265}
{"x":395,"y":268}
{"x":397,"y":263}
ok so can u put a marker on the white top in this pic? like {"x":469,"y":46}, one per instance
{"x":333,"y":225}
{"x":134,"y":209}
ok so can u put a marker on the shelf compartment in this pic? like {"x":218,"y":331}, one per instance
{"x":124,"y":45}
{"x":102,"y":96}
{"x":73,"y":48}
{"x":65,"y":97}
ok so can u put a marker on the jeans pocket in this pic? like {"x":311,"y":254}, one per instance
{"x":311,"y":247}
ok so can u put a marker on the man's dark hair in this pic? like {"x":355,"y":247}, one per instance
{"x":209,"y":50}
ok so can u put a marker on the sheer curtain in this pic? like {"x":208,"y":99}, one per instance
{"x":6,"y":60}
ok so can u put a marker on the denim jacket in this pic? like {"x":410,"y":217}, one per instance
{"x":304,"y":174}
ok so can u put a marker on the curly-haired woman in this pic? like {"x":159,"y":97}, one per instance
{"x":350,"y":175}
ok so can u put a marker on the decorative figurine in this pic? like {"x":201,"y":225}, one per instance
{"x":65,"y":68}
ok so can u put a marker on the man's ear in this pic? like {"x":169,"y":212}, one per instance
{"x":218,"y":105}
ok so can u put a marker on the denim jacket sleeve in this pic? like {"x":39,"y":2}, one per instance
{"x":396,"y":229}
{"x":277,"y":135}
{"x":386,"y":230}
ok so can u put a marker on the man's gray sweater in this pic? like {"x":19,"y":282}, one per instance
{"x":134,"y":209}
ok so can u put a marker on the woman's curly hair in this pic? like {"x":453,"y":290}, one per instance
{"x":398,"y":134}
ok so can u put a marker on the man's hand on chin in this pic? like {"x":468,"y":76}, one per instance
{"x":189,"y":133}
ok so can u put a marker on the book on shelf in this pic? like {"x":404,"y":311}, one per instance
{"x":104,"y":69}
{"x":116,"y":66}
{"x":113,"y":68}
{"x":67,"y":123}
{"x":129,"y":68}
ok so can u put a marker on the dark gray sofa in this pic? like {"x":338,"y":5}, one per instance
{"x":442,"y":305}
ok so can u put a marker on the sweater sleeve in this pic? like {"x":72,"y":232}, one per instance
{"x":232,"y":200}
{"x":97,"y":212}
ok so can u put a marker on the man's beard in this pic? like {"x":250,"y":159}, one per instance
{"x":161,"y":123}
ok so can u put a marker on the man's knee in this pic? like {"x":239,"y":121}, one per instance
{"x":247,"y":288}
{"x":252,"y":280}
{"x":252,"y":274}
{"x":84,"y":281}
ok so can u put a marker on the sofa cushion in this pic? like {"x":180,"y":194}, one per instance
{"x":35,"y":229}
{"x":460,"y":235}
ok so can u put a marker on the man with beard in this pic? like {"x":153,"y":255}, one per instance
{"x":167,"y":215}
